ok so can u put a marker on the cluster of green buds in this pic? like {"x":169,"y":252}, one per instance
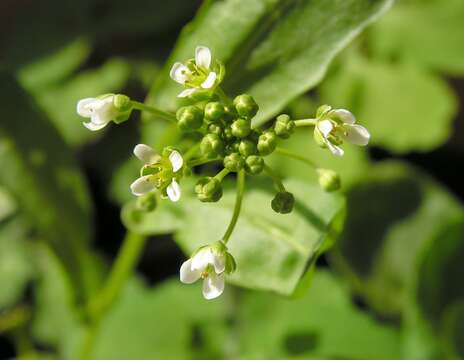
{"x":227,"y":136}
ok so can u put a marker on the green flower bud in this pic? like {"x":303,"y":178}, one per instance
{"x":234,"y":162}
{"x":208,"y":189}
{"x":211,"y":146}
{"x":189,"y":118}
{"x":254,"y":164}
{"x":227,"y":133}
{"x":214,"y":111}
{"x":283,"y":202}
{"x":215,"y":129}
{"x":247,"y":148}
{"x":147,"y":202}
{"x":246,"y":106}
{"x":267,"y":143}
{"x":241,"y":128}
{"x":284,"y":126}
{"x":329,"y":180}
{"x":231,"y":265}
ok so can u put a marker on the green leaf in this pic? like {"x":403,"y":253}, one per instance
{"x":274,"y":50}
{"x":392,"y":214}
{"x":404,"y":107}
{"x":454,"y":329}
{"x":39,"y":171}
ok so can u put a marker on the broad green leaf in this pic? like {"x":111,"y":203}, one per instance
{"x":404,"y":107}
{"x":39,"y":171}
{"x":392,"y":214}
{"x":273,"y":49}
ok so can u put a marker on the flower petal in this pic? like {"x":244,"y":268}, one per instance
{"x":179,"y":73}
{"x":209,"y":81}
{"x":94,"y":127}
{"x":82,"y":107}
{"x":344,"y":115}
{"x":142,"y":185}
{"x":213,"y":286}
{"x":325,"y":127}
{"x":357,"y":134}
{"x":173,"y":191}
{"x":219,"y":263}
{"x":334,"y":149}
{"x":187,"y":275}
{"x":176,"y":160}
{"x":203,"y":56}
{"x":146,"y":154}
{"x":186,"y":92}
{"x":202,"y":259}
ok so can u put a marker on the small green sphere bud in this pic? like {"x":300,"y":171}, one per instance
{"x":147,"y":202}
{"x":122,"y":102}
{"x":254,"y":164}
{"x":215,"y":129}
{"x":247,"y":148}
{"x":267,"y":143}
{"x":283,"y":202}
{"x":284,"y":126}
{"x":208,"y":189}
{"x":246,"y":106}
{"x":234,"y":162}
{"x":211,"y":146}
{"x":329,"y":180}
{"x":214,"y":111}
{"x":241,"y":128}
{"x":189,"y":118}
{"x":227,"y":133}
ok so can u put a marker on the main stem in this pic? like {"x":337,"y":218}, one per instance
{"x":237,"y":207}
{"x":155,"y":111}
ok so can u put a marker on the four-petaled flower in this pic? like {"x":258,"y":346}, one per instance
{"x":159,"y":172}
{"x":336,"y":126}
{"x":100,"y":111}
{"x":196,"y":75}
{"x":209,"y":265}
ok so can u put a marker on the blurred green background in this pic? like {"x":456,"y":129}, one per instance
{"x":392,"y":285}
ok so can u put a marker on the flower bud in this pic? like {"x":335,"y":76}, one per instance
{"x":283,"y":202}
{"x":246,"y":106}
{"x":147,"y":202}
{"x":284,"y":126}
{"x":241,"y":128}
{"x":227,"y":133}
{"x":215,"y":129}
{"x":234,"y":162}
{"x":254,"y":164}
{"x":211,"y":146}
{"x":247,"y":148}
{"x":267,"y":143}
{"x":208,"y":189}
{"x":214,"y":111}
{"x":189,"y":118}
{"x":329,"y":180}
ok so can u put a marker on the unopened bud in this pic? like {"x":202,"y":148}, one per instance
{"x":214,"y":111}
{"x":246,"y":106}
{"x":211,"y":146}
{"x":208,"y":189}
{"x":189,"y":118}
{"x":267,"y":143}
{"x":241,"y":128}
{"x":234,"y":162}
{"x":247,"y":148}
{"x":254,"y":164}
{"x":328,"y":179}
{"x":283,"y":202}
{"x":284,"y":126}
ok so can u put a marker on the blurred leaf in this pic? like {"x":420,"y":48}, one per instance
{"x":274,"y":50}
{"x":38,"y":170}
{"x":429,"y":33}
{"x":454,"y":329}
{"x":392,"y":213}
{"x":404,"y":108}
{"x":7,"y":204}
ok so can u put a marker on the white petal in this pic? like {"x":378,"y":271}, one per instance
{"x":213,"y":286}
{"x":219,"y":263}
{"x":209,"y":81}
{"x":325,"y":127}
{"x":186,"y":92}
{"x":203,"y":56}
{"x":176,"y":161}
{"x":82,"y":107}
{"x":173,"y":191}
{"x":357,"y":134}
{"x":202,"y":259}
{"x":146,"y":154}
{"x":179,"y":73}
{"x":334,"y":149}
{"x":344,"y":115}
{"x":94,"y":127}
{"x":142,"y":185}
{"x":187,"y":275}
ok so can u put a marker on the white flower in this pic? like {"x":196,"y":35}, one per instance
{"x":341,"y":126}
{"x":208,"y":265}
{"x":99,"y":111}
{"x":163,"y":177}
{"x":199,"y":76}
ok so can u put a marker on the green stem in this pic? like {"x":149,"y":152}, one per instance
{"x":222,"y":174}
{"x":222,"y":95}
{"x":200,"y":161}
{"x":274,"y":178}
{"x":305,"y":122}
{"x":191,"y":152}
{"x":237,"y":207}
{"x":295,"y":156}
{"x":157,"y":112}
